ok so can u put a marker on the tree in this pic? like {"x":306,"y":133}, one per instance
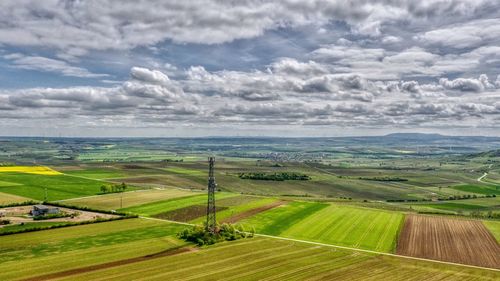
{"x":104,"y":189}
{"x":123,"y":186}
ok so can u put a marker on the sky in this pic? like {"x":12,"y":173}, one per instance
{"x":249,"y":68}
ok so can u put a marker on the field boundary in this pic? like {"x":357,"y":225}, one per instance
{"x":343,"y":247}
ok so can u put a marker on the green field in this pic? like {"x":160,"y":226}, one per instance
{"x":58,"y":186}
{"x":78,"y":248}
{"x":277,"y":220}
{"x":6,"y":198}
{"x":29,"y":254}
{"x":463,"y":206}
{"x":29,"y":225}
{"x":494,"y":227}
{"x":351,"y":227}
{"x":481,"y":189}
{"x":128,"y":199}
{"x":156,"y":208}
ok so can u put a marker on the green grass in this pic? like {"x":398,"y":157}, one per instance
{"x":269,"y":259}
{"x":6,"y":183}
{"x":155,"y":208}
{"x":277,"y":220}
{"x":48,"y":242}
{"x":6,"y":198}
{"x":28,"y":225}
{"x":479,"y":189}
{"x":454,"y":206}
{"x":494,"y":228}
{"x":351,"y":227}
{"x":58,"y":186}
{"x":42,"y":252}
{"x":129,"y":199}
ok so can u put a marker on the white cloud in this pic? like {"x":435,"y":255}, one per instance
{"x":467,"y":84}
{"x":464,"y":35}
{"x":76,"y":26}
{"x":44,"y":64}
{"x":152,"y":76}
{"x":396,"y":67}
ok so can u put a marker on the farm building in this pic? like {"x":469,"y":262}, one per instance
{"x":40,"y":210}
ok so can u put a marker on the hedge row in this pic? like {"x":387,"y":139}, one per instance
{"x":38,"y":228}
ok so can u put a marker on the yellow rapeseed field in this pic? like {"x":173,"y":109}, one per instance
{"x":39,"y":170}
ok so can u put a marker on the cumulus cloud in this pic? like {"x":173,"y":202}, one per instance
{"x":250,"y":98}
{"x":84,"y":25}
{"x":467,"y":84}
{"x":147,"y":75}
{"x":312,"y":63}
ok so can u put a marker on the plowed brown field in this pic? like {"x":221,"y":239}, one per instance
{"x":452,"y":240}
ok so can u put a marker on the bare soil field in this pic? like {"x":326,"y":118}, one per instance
{"x":446,"y":239}
{"x":253,"y":212}
{"x":186,"y":214}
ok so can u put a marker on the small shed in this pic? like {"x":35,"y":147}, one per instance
{"x":41,"y":210}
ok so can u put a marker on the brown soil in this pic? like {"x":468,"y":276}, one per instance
{"x":169,"y":252}
{"x":187,"y":213}
{"x":452,"y":240}
{"x":252,"y":212}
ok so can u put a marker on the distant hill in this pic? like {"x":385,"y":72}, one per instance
{"x":414,"y":136}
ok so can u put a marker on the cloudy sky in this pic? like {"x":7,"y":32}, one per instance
{"x":277,"y":68}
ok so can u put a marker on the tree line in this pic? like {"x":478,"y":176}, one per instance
{"x":114,"y":188}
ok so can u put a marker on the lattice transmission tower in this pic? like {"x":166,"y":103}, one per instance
{"x":211,"y":222}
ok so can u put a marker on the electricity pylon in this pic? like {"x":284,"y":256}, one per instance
{"x":211,"y":222}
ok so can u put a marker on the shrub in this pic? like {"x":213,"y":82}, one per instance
{"x":25,"y":203}
{"x":225,"y":232}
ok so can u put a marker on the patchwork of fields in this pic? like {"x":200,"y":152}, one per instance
{"x":339,"y":225}
{"x":31,"y":254}
{"x":149,"y":249}
{"x":131,"y":249}
{"x":129,"y":199}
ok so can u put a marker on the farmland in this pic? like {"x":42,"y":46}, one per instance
{"x":27,"y":254}
{"x":455,"y":240}
{"x":115,"y":201}
{"x":358,"y":198}
{"x":119,"y":246}
{"x":37,"y":170}
{"x":6,"y":198}
{"x":156,"y":208}
{"x":58,"y":186}
{"x":352,"y":227}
